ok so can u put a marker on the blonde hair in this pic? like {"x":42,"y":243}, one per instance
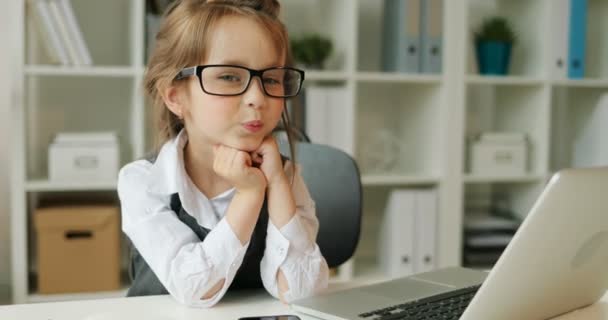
{"x":183,"y":40}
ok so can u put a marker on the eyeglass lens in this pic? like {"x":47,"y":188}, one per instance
{"x":228,"y":80}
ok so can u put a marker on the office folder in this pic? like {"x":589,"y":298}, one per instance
{"x":431,"y":35}
{"x":64,"y":32}
{"x":578,"y":33}
{"x":590,"y":148}
{"x":560,"y":26}
{"x":49,"y":32}
{"x":401,"y":37}
{"x":76,"y":34}
{"x":425,"y":231}
{"x":329,"y":116}
{"x":396,"y":243}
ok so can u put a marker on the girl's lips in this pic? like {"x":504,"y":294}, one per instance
{"x":253,"y":126}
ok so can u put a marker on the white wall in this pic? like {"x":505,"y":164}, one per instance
{"x":4,"y":155}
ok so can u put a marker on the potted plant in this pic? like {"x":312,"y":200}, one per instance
{"x":494,"y":41}
{"x":311,"y":50}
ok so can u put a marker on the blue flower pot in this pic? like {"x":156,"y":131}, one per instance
{"x":493,"y":57}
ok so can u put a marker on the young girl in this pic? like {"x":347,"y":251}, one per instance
{"x":218,"y":207}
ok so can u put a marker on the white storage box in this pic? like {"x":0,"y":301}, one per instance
{"x":90,"y":157}
{"x":499,"y":154}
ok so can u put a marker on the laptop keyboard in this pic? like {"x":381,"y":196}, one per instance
{"x":448,"y":306}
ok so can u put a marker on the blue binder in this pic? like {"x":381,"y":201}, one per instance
{"x":431,"y":36}
{"x":401,"y":36}
{"x":578,"y":34}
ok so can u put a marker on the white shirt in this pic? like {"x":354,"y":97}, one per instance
{"x":187,"y":267}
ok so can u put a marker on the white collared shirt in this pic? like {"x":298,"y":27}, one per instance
{"x":188,"y":267}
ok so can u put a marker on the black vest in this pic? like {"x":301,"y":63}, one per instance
{"x":145,"y":282}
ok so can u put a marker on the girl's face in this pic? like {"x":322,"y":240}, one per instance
{"x":241,"y":121}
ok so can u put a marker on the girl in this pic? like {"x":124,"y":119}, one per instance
{"x":218,"y":207}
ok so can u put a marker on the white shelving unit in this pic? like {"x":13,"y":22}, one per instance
{"x":431,"y":115}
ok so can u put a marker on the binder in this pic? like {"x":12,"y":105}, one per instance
{"x":396,"y":245}
{"x":329,"y":117}
{"x":340,"y":126}
{"x":401,"y":36}
{"x":76,"y":35}
{"x":590,"y":149}
{"x":578,"y":34}
{"x":55,"y":47}
{"x":560,"y":16}
{"x":64,"y":33}
{"x":425,"y":252}
{"x":431,"y":36}
{"x":317,"y":122}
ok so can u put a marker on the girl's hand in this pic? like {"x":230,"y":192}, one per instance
{"x":268,"y":158}
{"x":236,"y":167}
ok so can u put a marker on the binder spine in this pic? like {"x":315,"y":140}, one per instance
{"x":560,"y":25}
{"x":431,"y":15}
{"x":578,"y":33}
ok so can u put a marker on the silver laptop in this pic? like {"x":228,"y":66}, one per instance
{"x":556,"y":262}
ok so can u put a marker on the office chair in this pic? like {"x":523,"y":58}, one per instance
{"x":334,"y":183}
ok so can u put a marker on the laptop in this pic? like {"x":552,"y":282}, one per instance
{"x":556,"y":262}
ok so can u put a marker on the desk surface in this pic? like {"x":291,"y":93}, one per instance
{"x":232,"y":306}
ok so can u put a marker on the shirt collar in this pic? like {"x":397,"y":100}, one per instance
{"x":168,"y":171}
{"x":169,"y":176}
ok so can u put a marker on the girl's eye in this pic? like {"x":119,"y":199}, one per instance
{"x":271,"y":81}
{"x":230,"y":78}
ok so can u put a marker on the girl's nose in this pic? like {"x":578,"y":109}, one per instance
{"x":254,"y":96}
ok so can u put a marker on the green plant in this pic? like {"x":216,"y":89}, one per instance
{"x":496,"y":29}
{"x":311,"y":49}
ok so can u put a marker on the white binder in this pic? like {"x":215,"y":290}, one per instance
{"x":316,"y":119}
{"x":329,"y":117}
{"x":396,"y":245}
{"x":50,"y":33}
{"x":75,"y":33}
{"x":425,"y":252}
{"x":590,"y":147}
{"x":64,"y":32}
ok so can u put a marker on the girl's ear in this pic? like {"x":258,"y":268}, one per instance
{"x":174,"y":100}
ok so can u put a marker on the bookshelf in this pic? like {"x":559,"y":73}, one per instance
{"x":433,"y":115}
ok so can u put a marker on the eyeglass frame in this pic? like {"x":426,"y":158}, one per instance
{"x":198,"y":71}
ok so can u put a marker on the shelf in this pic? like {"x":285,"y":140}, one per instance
{"x":405,"y":180}
{"x":529,"y":178}
{"x":505,"y":80}
{"x":398,"y":77}
{"x":46,"y":185}
{"x":582,"y":83}
{"x":90,"y":71}
{"x":37,"y":298}
{"x":325,"y":76}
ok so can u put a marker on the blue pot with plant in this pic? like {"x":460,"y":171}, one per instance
{"x":494,"y":41}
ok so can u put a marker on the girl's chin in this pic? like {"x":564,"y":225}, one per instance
{"x":247,"y":145}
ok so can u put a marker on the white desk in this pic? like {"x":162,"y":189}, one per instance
{"x":231,"y":307}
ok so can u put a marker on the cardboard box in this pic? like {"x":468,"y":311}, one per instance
{"x":78,"y":248}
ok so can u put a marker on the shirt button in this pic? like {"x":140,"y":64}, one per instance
{"x":281,"y":250}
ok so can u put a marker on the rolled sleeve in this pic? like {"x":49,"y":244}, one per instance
{"x":226,"y":254}
{"x":186,"y":266}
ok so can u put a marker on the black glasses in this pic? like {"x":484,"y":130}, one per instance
{"x":230,"y":80}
